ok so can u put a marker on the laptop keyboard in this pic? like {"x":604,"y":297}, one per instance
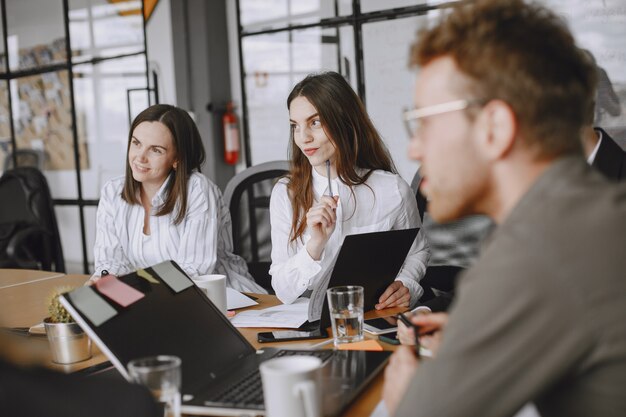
{"x":248,"y":390}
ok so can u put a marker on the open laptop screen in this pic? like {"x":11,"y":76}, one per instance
{"x":185,"y":324}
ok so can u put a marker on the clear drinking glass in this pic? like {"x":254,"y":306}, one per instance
{"x":346,"y":313}
{"x":162,"y":376}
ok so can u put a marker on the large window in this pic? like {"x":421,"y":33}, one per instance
{"x":368,"y":42}
{"x":72,"y":74}
{"x":600,"y":27}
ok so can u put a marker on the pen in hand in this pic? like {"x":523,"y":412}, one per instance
{"x":330,"y":184}
{"x":415,"y":328}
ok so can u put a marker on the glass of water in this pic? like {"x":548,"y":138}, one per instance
{"x":162,"y":376}
{"x":346,"y":313}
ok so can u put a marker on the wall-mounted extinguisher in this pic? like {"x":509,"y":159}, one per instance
{"x":231,"y":135}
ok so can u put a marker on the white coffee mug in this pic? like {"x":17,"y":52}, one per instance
{"x":292,"y":386}
{"x":214,"y":287}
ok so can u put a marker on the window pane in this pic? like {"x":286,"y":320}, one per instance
{"x":42,"y":121}
{"x":102,"y":93}
{"x":99,"y":28}
{"x":599,"y":27}
{"x":266,"y":14}
{"x":269,"y":81}
{"x":36,"y":34}
{"x":389,"y":82}
{"x":3,"y":57}
{"x":90,"y":233}
{"x":68,"y":221}
{"x":5,"y":127}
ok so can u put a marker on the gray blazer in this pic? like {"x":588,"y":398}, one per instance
{"x":541,"y":317}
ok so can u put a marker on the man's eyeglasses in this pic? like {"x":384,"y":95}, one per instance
{"x":413,"y":118}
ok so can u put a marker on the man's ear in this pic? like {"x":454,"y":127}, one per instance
{"x":498,"y":129}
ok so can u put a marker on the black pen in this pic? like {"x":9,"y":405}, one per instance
{"x":330,"y":184}
{"x":415,"y":328}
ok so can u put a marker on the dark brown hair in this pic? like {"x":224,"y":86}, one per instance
{"x":189,"y":152}
{"x":524,"y":55}
{"x":346,"y":123}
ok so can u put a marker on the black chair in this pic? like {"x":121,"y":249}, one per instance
{"x":438,"y":278}
{"x":421,"y":200}
{"x":29,"y":235}
{"x":247,"y":196}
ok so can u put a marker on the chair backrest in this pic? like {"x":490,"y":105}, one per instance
{"x":247,"y":196}
{"x":29,"y":223}
{"x":25,"y":158}
{"x":421,"y":200}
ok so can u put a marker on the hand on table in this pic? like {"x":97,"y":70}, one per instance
{"x":321,"y":220}
{"x":94,"y":278}
{"x":396,"y":295}
{"x":398,"y":375}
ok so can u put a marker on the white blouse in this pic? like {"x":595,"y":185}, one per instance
{"x":200,"y":244}
{"x":385,"y":202}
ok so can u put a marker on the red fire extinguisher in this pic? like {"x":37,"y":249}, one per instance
{"x":231,"y":135}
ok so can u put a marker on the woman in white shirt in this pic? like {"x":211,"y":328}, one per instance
{"x":329,"y":123}
{"x":164,"y":208}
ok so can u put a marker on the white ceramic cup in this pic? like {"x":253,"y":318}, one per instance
{"x":292,"y":386}
{"x":214,"y":287}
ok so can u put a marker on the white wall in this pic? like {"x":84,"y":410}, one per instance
{"x":161,"y":52}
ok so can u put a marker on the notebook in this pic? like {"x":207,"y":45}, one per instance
{"x":218,"y":364}
{"x":371,"y":260}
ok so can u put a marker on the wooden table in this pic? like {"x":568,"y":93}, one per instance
{"x":12,"y":277}
{"x":25,"y":305}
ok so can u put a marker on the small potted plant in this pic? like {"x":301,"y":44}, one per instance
{"x":68,"y":342}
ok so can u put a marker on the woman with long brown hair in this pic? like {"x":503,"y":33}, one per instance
{"x":164,"y":208}
{"x":332,"y":135}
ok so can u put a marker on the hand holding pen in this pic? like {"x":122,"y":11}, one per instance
{"x":330,"y":183}
{"x":321,"y":220}
{"x":410,"y":325}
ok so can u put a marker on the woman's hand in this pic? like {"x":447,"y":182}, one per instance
{"x":321,"y":220}
{"x":94,"y":278}
{"x":396,"y":295}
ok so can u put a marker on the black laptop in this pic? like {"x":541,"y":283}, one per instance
{"x":219,"y":366}
{"x":371,"y":260}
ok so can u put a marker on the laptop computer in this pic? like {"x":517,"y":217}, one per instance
{"x":371,"y":260}
{"x":219,"y":366}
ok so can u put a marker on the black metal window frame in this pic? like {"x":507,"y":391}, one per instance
{"x":68,"y":65}
{"x":357,"y":19}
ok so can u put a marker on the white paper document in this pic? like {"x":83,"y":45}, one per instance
{"x":380,"y":410}
{"x":288,"y":316}
{"x":235,"y":300}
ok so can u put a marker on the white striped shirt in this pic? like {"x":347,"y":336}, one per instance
{"x":200,"y":244}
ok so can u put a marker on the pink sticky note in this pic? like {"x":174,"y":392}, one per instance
{"x":369,"y":344}
{"x":116,"y":290}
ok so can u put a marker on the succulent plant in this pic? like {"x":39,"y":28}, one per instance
{"x":58,"y":313}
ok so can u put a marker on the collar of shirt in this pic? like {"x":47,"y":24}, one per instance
{"x":159,"y":197}
{"x":593,"y":154}
{"x":320,"y":184}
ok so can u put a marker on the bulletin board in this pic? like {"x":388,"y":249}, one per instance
{"x":42,"y":114}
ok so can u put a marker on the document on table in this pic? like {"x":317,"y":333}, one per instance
{"x":235,"y":300}
{"x":380,"y":410}
{"x":289,"y":316}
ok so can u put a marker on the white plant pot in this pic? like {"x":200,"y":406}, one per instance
{"x":68,"y":342}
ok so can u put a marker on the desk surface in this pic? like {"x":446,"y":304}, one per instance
{"x":13,"y":277}
{"x":25,"y":305}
